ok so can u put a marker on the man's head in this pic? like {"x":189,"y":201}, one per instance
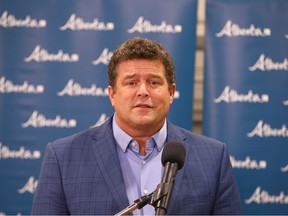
{"x":141,"y":86}
{"x":141,"y":48}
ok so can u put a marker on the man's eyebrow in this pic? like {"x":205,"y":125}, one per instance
{"x":129,"y":76}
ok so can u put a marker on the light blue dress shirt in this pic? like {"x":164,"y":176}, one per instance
{"x":141,"y":173}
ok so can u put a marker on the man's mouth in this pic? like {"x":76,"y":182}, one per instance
{"x":143,"y":106}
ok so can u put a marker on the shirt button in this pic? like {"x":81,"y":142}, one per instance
{"x":133,"y":144}
{"x":145,"y":191}
{"x":143,"y":162}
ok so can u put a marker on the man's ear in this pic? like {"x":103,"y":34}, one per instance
{"x":172,"y":92}
{"x":111,"y":95}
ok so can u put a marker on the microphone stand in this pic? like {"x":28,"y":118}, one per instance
{"x":138,"y":204}
{"x":163,"y":192}
{"x":153,"y":199}
{"x":160,"y":199}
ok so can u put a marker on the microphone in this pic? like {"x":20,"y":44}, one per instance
{"x":173,"y":158}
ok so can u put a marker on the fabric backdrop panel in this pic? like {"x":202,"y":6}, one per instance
{"x":246,"y":96}
{"x":53,"y":74}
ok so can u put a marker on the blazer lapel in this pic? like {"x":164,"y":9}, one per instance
{"x":107,"y":158}
{"x":172,"y":136}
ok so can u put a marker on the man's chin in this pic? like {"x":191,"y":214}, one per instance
{"x":142,"y":121}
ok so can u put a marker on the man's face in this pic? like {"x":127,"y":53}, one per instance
{"x":141,"y":97}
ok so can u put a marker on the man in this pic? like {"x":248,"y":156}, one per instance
{"x":105,"y":169}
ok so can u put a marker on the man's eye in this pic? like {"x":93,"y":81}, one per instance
{"x":154,"y":83}
{"x":132,"y":83}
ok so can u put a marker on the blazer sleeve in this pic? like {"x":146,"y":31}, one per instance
{"x":227,"y":197}
{"x":49,"y":198}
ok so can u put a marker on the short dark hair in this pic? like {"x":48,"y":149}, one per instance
{"x":141,"y":48}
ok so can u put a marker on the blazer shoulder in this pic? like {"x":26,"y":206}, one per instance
{"x":191,"y":137}
{"x":79,"y":140}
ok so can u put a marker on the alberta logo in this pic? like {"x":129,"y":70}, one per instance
{"x":234,"y":30}
{"x":77,"y":23}
{"x":9,"y":21}
{"x":143,"y":25}
{"x":40,"y":54}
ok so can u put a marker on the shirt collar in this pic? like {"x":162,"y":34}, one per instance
{"x":123,"y":139}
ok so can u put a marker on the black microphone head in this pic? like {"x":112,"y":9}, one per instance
{"x":174,"y":152}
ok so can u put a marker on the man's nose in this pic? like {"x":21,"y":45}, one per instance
{"x":142,"y":91}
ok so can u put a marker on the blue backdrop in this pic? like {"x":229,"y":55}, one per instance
{"x":246,"y":96}
{"x":53,"y":74}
